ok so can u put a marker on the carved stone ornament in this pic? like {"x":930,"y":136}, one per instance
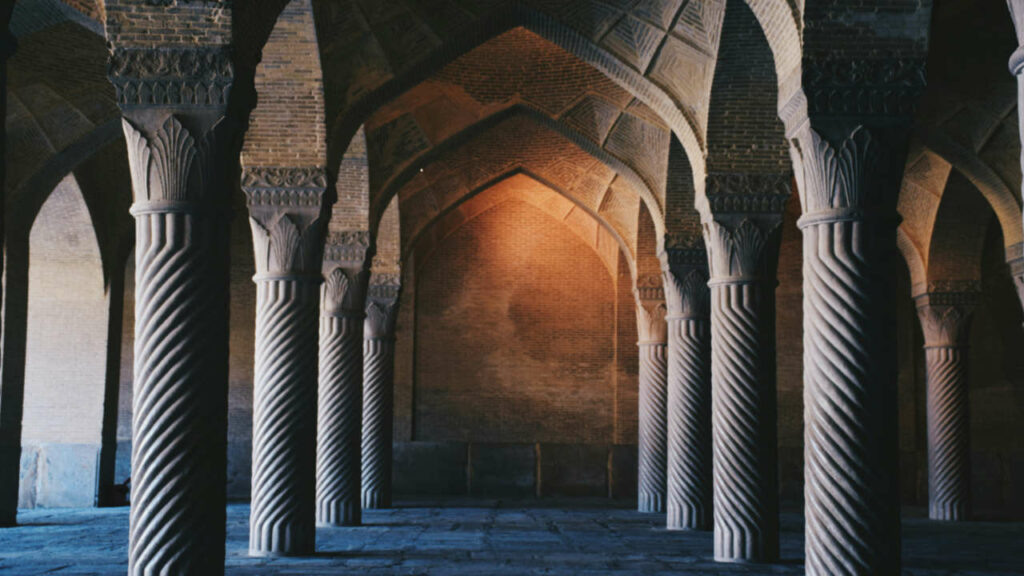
{"x":171,"y":164}
{"x":344,"y":291}
{"x":172,"y":77}
{"x":742,"y":192}
{"x":380,"y":319}
{"x":946,"y":317}
{"x":651,"y":325}
{"x":876,"y":86}
{"x":286,"y":222}
{"x":743,"y":251}
{"x":385,"y":286}
{"x":350,"y":247}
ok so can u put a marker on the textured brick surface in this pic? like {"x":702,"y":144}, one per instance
{"x":541,"y":369}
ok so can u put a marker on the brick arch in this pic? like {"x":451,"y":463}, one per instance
{"x":281,"y":133}
{"x":745,"y":134}
{"x":782,"y":23}
{"x":347,"y":116}
{"x":913,"y":260}
{"x":519,"y":183}
{"x":489,"y":124}
{"x":1003,"y":201}
{"x":958,"y":236}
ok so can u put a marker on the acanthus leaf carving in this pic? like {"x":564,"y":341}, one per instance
{"x":651,"y":323}
{"x":850,"y":169}
{"x":344,"y":292}
{"x":174,"y":153}
{"x":946,"y":316}
{"x":686,"y":293}
{"x":744,"y":252}
{"x":285,"y":245}
{"x":380,"y":318}
{"x":138,"y":160}
{"x":292,"y":217}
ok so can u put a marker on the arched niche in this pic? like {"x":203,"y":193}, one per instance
{"x":66,"y":353}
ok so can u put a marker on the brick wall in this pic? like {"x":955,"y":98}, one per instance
{"x":515,"y":334}
{"x":287,"y":126}
{"x":744,"y":131}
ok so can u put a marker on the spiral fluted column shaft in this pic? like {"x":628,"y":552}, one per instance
{"x":378,"y":408}
{"x":284,"y":418}
{"x":850,"y":455}
{"x":743,"y":421}
{"x":653,"y":426}
{"x":338,"y":465}
{"x":179,"y":418}
{"x":689,"y":488}
{"x":949,"y":447}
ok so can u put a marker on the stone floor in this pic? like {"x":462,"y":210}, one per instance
{"x":486,"y":537}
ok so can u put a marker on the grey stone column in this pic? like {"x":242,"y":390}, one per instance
{"x":743,"y":249}
{"x":285,"y":211}
{"x":850,"y":182}
{"x":1017,"y":68}
{"x":945,"y":322}
{"x":341,"y":379}
{"x":652,"y":333}
{"x":1015,"y":262}
{"x":689,"y":478}
{"x":378,"y":390}
{"x":183,"y":153}
{"x":10,"y":416}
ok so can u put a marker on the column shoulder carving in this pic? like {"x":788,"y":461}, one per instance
{"x":172,"y":164}
{"x":1015,"y":260}
{"x":285,"y":210}
{"x":346,"y":273}
{"x":685,"y":279}
{"x":382,"y":305}
{"x":171,"y":77}
{"x":651,"y":310}
{"x":740,"y":192}
{"x":742,"y":248}
{"x":946,"y":315}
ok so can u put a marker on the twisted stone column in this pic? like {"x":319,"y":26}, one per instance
{"x":1015,"y":260}
{"x":1017,"y":69}
{"x":851,"y":178}
{"x":180,"y":151}
{"x":945,"y":322}
{"x":285,"y":206}
{"x":743,"y":252}
{"x":653,"y":443}
{"x":341,"y":380}
{"x":378,"y":390}
{"x":689,"y":481}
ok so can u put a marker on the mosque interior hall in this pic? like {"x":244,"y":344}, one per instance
{"x":483,"y":287}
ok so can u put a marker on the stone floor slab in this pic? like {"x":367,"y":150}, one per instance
{"x":493,"y":537}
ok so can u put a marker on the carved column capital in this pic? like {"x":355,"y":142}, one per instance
{"x":651,"y":310}
{"x":285,"y":207}
{"x":382,"y":306}
{"x":346,"y":273}
{"x":946,"y":315}
{"x":1015,"y":260}
{"x":685,"y":279}
{"x":743,"y":247}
